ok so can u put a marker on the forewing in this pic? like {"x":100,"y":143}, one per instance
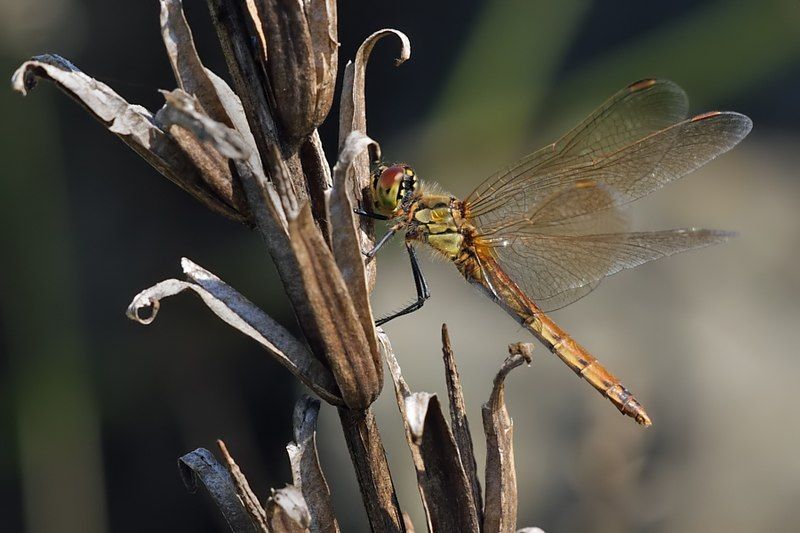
{"x":630,"y":173}
{"x":631,"y":114}
{"x":555,"y":269}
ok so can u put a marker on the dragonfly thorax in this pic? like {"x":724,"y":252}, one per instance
{"x":437,"y":221}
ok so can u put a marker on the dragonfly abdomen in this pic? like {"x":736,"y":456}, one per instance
{"x":505,"y":293}
{"x":586,"y":366}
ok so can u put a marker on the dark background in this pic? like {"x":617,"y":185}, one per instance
{"x":94,"y":409}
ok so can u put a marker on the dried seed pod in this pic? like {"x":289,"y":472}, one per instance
{"x":300,"y":56}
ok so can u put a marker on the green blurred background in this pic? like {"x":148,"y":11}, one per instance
{"x":94,"y":409}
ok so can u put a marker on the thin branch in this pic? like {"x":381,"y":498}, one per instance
{"x":246,"y":494}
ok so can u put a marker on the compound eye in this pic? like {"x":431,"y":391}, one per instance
{"x":390,"y":177}
{"x":387,"y":189}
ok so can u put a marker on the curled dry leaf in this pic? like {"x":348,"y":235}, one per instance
{"x":201,"y":465}
{"x":443,"y":485}
{"x":251,"y":504}
{"x":352,"y":111}
{"x":352,"y":117}
{"x":215,"y":97}
{"x":207,"y":142}
{"x":306,"y":470}
{"x":287,"y":512}
{"x":131,"y":123}
{"x":500,"y":509}
{"x":237,"y":311}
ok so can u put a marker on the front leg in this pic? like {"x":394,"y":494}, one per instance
{"x":419,"y":282}
{"x":386,"y":238}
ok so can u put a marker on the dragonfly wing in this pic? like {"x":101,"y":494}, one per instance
{"x":632,"y":113}
{"x":631,"y":172}
{"x":555,"y":270}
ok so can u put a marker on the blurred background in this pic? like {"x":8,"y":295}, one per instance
{"x":95,"y":410}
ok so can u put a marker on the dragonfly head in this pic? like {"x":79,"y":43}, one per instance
{"x":391,"y":187}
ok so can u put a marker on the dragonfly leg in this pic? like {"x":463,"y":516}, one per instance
{"x":376,"y":216}
{"x":384,"y":240}
{"x":420,"y":284}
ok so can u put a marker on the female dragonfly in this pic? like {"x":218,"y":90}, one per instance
{"x":543,"y":232}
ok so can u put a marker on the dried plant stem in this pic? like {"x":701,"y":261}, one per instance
{"x":372,"y":470}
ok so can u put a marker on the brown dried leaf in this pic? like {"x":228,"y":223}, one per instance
{"x":237,"y":311}
{"x":329,"y":317}
{"x":320,"y":298}
{"x":443,"y":485}
{"x":352,"y":117}
{"x":131,"y":123}
{"x":459,"y":422}
{"x":207,"y":142}
{"x":306,"y":470}
{"x":243,"y":490}
{"x":500,"y":509}
{"x":189,"y":70}
{"x":287,"y":512}
{"x":258,"y":26}
{"x":344,"y":234}
{"x":216,"y":97}
{"x":234,"y":110}
{"x":322,"y":26}
{"x":182,"y":109}
{"x":319,"y":181}
{"x":281,"y":177}
{"x":201,"y":464}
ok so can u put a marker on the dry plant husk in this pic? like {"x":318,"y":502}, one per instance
{"x":252,"y":153}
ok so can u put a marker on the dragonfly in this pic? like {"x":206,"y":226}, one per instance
{"x":543,"y":232}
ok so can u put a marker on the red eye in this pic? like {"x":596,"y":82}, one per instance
{"x":391,"y":176}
